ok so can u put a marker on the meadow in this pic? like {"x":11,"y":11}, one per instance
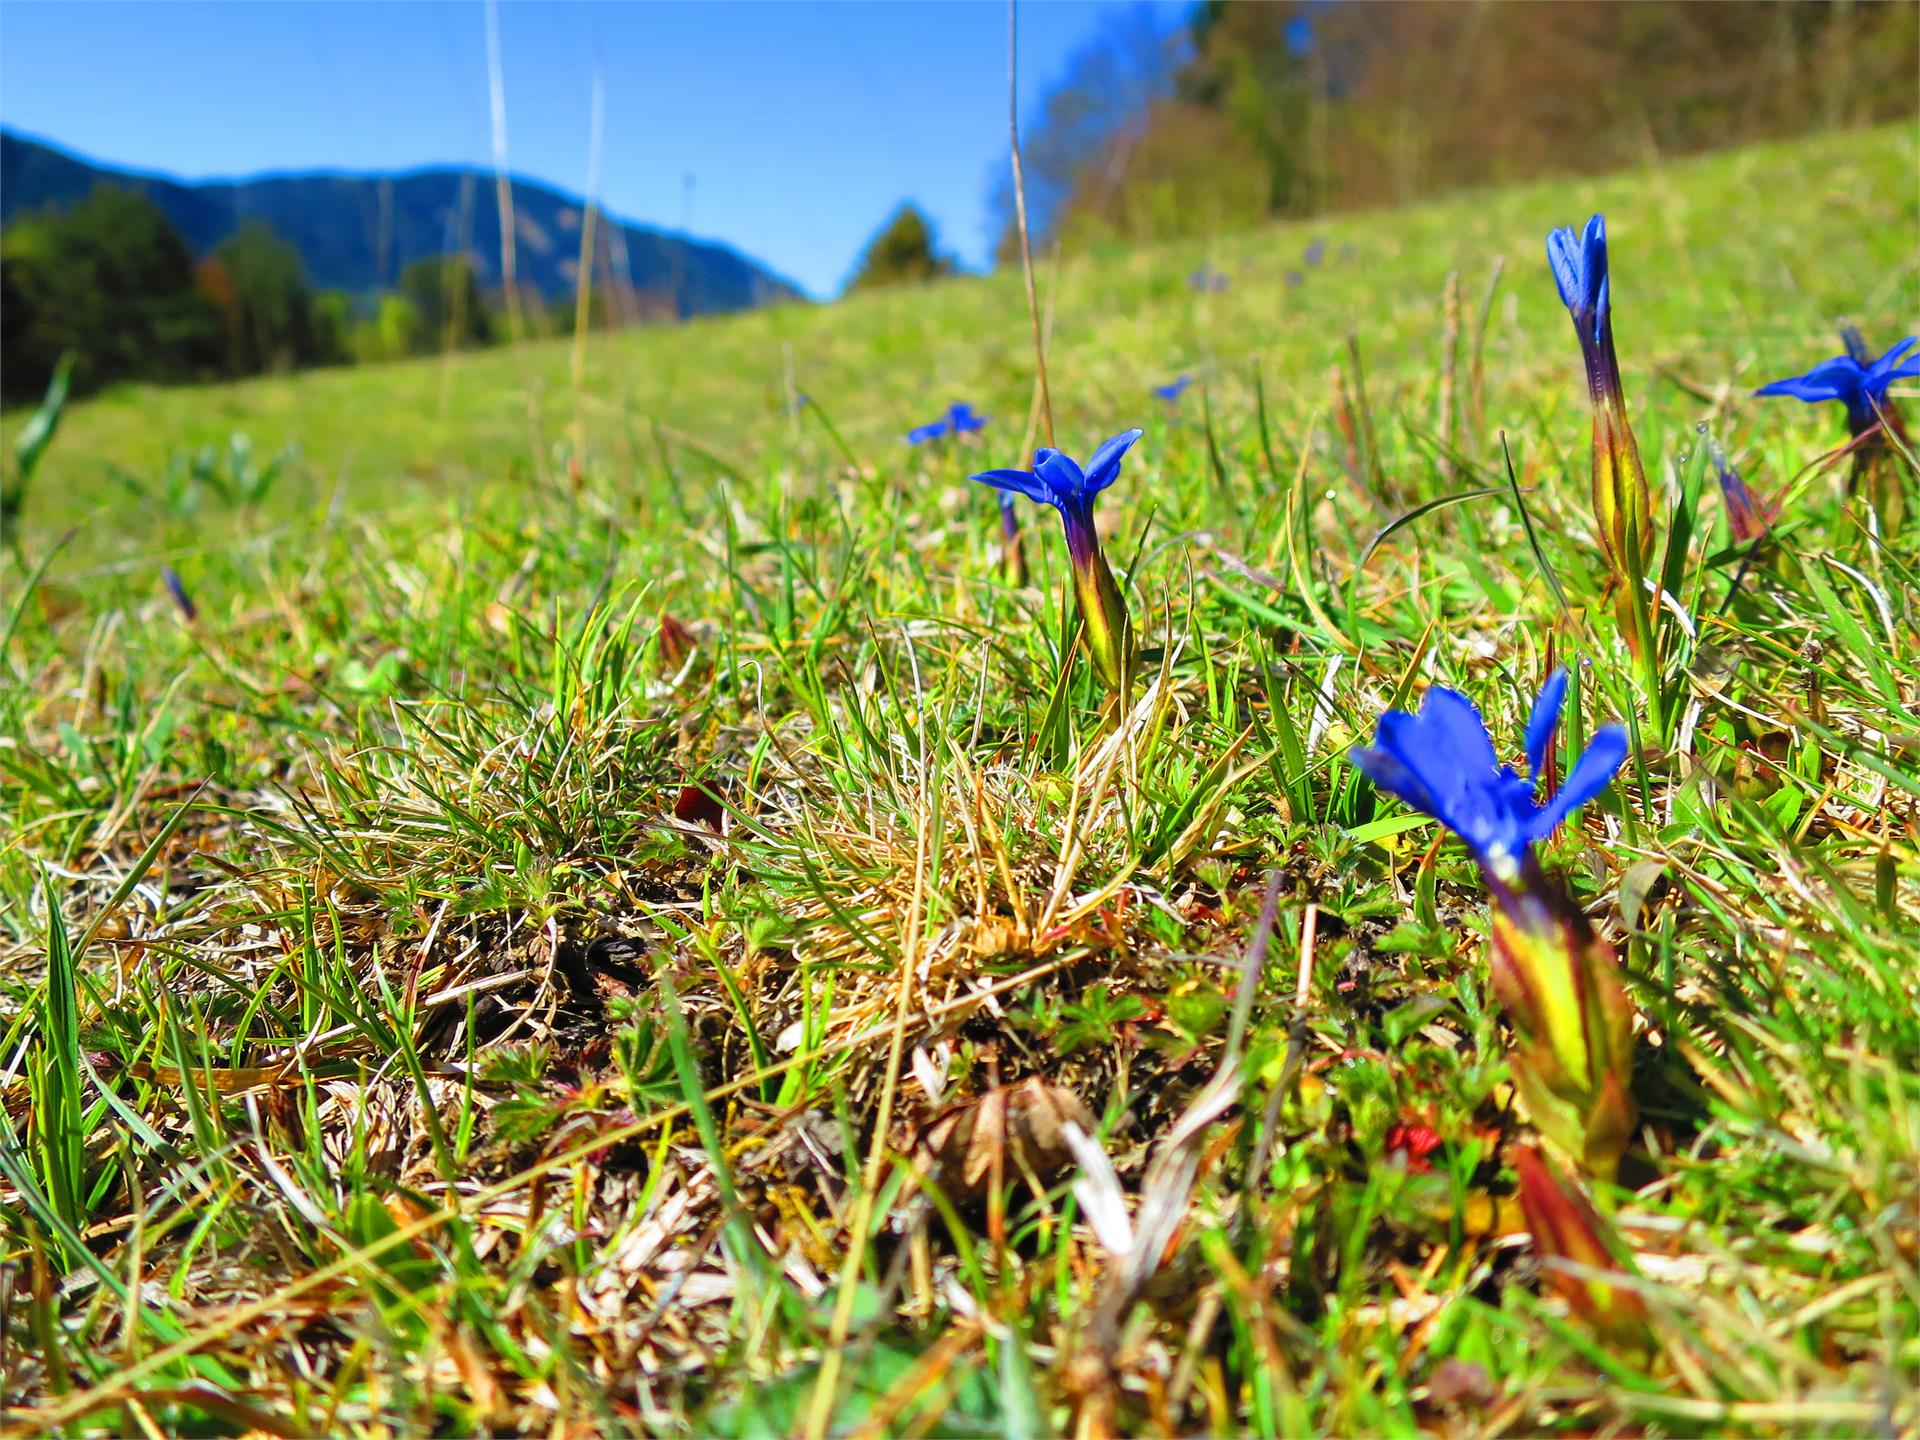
{"x":573,"y":892}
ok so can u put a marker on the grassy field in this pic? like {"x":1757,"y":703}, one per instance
{"x":599,"y":919}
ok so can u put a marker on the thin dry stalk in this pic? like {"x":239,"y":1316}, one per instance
{"x":1449,"y":370}
{"x":826,"y":1386}
{"x":503,"y":187}
{"x":1020,"y":216}
{"x":583,"y":276}
{"x":1296,"y":1051}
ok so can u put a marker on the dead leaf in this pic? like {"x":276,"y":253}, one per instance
{"x":1012,"y":1129}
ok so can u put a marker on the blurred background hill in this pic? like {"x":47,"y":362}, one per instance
{"x":358,"y":233}
{"x":238,"y":277}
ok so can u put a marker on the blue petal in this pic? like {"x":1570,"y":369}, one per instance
{"x":1425,"y":747}
{"x":1544,"y":720}
{"x":1389,"y":774}
{"x":1459,"y":735}
{"x":1590,"y":775}
{"x":1892,"y":357}
{"x":1889,"y":368}
{"x":1441,"y":761}
{"x":1837,"y":379}
{"x":1579,"y":262}
{"x":1563,"y":255}
{"x":920,"y":434}
{"x":1593,"y":241}
{"x":1022,"y":482}
{"x":1061,"y":473}
{"x":1447,"y":745}
{"x":1104,"y":468}
{"x":1573,"y":255}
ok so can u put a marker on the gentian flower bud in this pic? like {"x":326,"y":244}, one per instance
{"x":1622,"y":499}
{"x":1747,"y":518}
{"x":1057,"y":480}
{"x":178,"y":590}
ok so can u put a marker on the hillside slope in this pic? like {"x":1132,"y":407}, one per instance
{"x":1718,"y":279}
{"x":358,"y":232}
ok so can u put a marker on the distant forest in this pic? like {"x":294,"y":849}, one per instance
{"x":112,"y":282}
{"x":1296,"y":107}
{"x":144,"y":277}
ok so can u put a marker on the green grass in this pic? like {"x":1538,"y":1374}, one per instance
{"x":384,"y":1053}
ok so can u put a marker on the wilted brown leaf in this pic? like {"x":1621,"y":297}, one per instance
{"x":1012,"y":1129}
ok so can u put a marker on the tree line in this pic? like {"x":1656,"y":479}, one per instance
{"x":1251,"y":112}
{"x":1246,"y":113}
{"x":111,"y":282}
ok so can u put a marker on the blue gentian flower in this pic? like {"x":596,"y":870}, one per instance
{"x":960,"y":419}
{"x":1294,"y":277}
{"x":1316,"y":252}
{"x":1579,"y":264}
{"x":1622,"y":495}
{"x":1057,"y":480}
{"x":1441,"y":762}
{"x":1859,"y":384}
{"x":1207,"y":278}
{"x":1174,"y":389}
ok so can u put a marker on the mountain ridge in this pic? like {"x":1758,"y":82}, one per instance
{"x":356,"y":230}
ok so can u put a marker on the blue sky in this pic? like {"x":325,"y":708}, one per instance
{"x":802,"y":124}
